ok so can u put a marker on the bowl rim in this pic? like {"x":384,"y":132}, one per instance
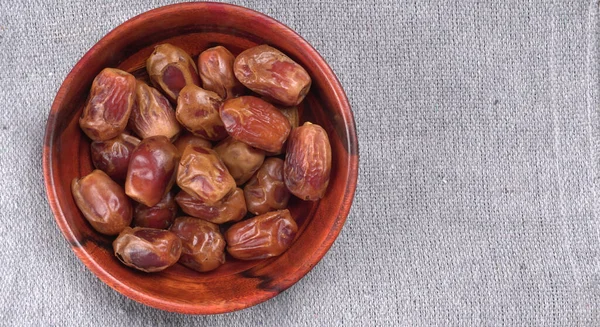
{"x":156,"y":302}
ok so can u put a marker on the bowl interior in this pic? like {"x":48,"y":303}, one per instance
{"x":237,"y":284}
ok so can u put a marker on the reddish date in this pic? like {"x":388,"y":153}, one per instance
{"x":203,"y":175}
{"x":198,"y":111}
{"x":170,"y":69}
{"x":112,"y":156}
{"x":102,"y":202}
{"x":255,"y":122}
{"x":266,"y":190}
{"x":152,"y":114}
{"x":215,"y":66}
{"x":263,"y":236}
{"x":203,"y":244}
{"x":151,"y":171}
{"x":241,"y":159}
{"x":190,"y":139}
{"x":159,"y":216}
{"x":109,"y":105}
{"x":231,"y":208}
{"x":147,"y":249}
{"x":268,"y":72}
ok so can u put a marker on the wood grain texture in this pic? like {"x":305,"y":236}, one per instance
{"x":237,"y":284}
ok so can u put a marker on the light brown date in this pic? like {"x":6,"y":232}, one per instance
{"x":102,"y":202}
{"x":230,"y":208}
{"x":263,"y":236}
{"x":109,"y":105}
{"x":307,"y":163}
{"x":215,"y":66}
{"x":147,"y":249}
{"x":151,"y":171}
{"x":203,"y":175}
{"x":190,"y":139}
{"x":159,"y":216}
{"x":198,"y":111}
{"x":152,"y":114}
{"x":255,"y":122}
{"x":266,"y":190}
{"x":268,"y":72}
{"x":112,"y":156}
{"x":203,"y":244}
{"x":170,"y":69}
{"x":241,"y":159}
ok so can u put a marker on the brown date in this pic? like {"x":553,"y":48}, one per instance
{"x":266,"y":190}
{"x":159,"y":216}
{"x":203,"y":245}
{"x":109,"y":105}
{"x":203,"y":175}
{"x":263,"y":236}
{"x":255,"y":122}
{"x":291,"y":113}
{"x":151,"y":171}
{"x":190,"y":139}
{"x":198,"y":111}
{"x":170,"y":69}
{"x":232,"y":207}
{"x":152,"y":114}
{"x":102,"y":202}
{"x":241,"y":159}
{"x":307,"y":163}
{"x":112,"y":156}
{"x":268,"y":72}
{"x":215,"y":66}
{"x":147,"y":249}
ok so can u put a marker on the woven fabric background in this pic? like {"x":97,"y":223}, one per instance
{"x":477,"y":200}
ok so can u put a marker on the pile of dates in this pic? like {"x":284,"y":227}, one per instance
{"x":203,"y":161}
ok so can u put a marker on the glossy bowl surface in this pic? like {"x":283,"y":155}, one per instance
{"x":237,"y":284}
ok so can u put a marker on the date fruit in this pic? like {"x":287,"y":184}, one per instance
{"x":255,"y":122}
{"x":266,"y":190}
{"x":109,"y":105}
{"x":198,"y":111}
{"x":147,"y":249}
{"x":203,"y":245}
{"x":241,"y":159}
{"x":151,"y":171}
{"x":159,"y":216}
{"x":152,"y":114}
{"x":230,"y":208}
{"x":112,"y":156}
{"x":203,"y":175}
{"x":263,"y":236}
{"x":268,"y":72}
{"x":307,"y":163}
{"x":190,"y":139}
{"x":170,"y":69}
{"x":215,"y":66}
{"x":102,"y":202}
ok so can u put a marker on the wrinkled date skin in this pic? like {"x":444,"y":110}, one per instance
{"x":291,"y":113}
{"x":215,"y":66}
{"x":255,"y":122}
{"x":147,"y":249}
{"x":151,"y":171}
{"x":241,"y":159}
{"x":266,"y":190}
{"x":159,"y":216}
{"x":102,"y":202}
{"x":112,"y":156}
{"x":202,"y":241}
{"x":231,"y":208}
{"x":109,"y":105}
{"x":152,"y":114}
{"x":307,"y":163}
{"x":263,"y":236}
{"x":170,"y":69}
{"x":190,"y":139}
{"x":268,"y":72}
{"x":198,"y":111}
{"x":203,"y":175}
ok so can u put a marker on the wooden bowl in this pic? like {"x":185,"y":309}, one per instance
{"x":237,"y":284}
